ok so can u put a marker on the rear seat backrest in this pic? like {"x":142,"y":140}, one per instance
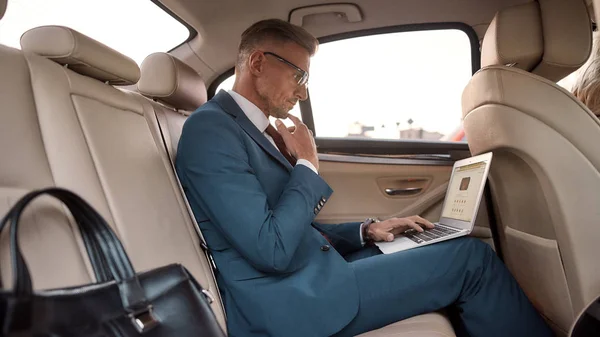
{"x":49,"y":245}
{"x":179,"y":90}
{"x":79,"y":132}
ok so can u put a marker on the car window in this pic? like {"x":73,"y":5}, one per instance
{"x":227,"y":84}
{"x":404,"y":85}
{"x":135,"y":28}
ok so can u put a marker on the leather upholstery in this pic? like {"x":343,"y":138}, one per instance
{"x":3,"y":4}
{"x":427,"y":325}
{"x":546,"y":172}
{"x":82,"y":54}
{"x":549,"y":38}
{"x":63,"y":129}
{"x":172,"y":82}
{"x":26,"y":166}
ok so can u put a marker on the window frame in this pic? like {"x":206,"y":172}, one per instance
{"x":381,"y":147}
{"x":192,"y":31}
{"x":212,"y":88}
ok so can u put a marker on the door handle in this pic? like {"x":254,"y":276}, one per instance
{"x":403,"y":191}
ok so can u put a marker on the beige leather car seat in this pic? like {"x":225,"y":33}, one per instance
{"x":64,"y":124}
{"x":545,"y":175}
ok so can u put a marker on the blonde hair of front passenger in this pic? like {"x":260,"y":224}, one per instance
{"x":587,"y":85}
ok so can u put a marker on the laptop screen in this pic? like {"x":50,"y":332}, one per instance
{"x":463,"y":192}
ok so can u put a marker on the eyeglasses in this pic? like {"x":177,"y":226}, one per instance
{"x":300,"y":76}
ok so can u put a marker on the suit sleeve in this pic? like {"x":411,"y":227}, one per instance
{"x":344,"y":237}
{"x":213,"y":162}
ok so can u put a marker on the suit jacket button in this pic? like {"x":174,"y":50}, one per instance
{"x":316,"y":210}
{"x":325,"y":248}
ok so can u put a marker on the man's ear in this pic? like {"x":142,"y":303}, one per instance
{"x":256,"y":62}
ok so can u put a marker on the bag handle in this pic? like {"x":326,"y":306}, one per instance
{"x":107,"y":255}
{"x":98,"y":262}
{"x":98,"y":238}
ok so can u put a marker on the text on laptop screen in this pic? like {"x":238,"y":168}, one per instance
{"x":463,"y":192}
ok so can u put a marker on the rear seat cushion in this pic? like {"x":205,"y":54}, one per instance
{"x":172,"y":82}
{"x":82,"y":54}
{"x":428,"y":325}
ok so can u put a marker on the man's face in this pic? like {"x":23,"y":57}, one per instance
{"x":278,"y":84}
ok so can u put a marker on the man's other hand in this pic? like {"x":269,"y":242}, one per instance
{"x":386,"y":230}
{"x":299,"y":140}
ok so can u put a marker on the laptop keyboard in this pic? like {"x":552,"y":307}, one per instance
{"x":429,"y":233}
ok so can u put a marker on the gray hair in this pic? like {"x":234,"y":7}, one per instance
{"x":274,"y":30}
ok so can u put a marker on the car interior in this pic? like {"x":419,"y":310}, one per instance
{"x":452,"y":79}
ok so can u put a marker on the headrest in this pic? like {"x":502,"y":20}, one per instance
{"x":169,"y":80}
{"x":82,"y":54}
{"x":549,"y":38}
{"x":3,"y":7}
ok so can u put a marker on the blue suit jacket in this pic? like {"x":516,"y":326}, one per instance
{"x":256,"y":212}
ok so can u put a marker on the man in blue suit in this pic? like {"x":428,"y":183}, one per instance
{"x":255,"y":191}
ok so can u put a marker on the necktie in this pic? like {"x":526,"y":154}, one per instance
{"x":271,"y":131}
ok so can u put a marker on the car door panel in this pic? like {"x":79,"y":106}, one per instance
{"x":360,"y":190}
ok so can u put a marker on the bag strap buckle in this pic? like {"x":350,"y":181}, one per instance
{"x":144,"y":320}
{"x":208,"y":295}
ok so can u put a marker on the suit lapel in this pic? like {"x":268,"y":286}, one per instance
{"x":225,"y":101}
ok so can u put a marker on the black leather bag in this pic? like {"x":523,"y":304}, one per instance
{"x":588,"y":322}
{"x":166,"y":301}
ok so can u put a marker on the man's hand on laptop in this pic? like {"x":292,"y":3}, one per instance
{"x":386,"y":230}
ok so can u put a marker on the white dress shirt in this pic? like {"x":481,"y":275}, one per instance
{"x":258,"y":118}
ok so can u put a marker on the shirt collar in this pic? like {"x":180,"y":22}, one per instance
{"x":254,"y":114}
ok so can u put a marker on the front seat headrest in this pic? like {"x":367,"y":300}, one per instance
{"x":167,"y":79}
{"x":81,"y":54}
{"x":549,"y":38}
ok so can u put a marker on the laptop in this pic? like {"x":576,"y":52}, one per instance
{"x":463,"y":196}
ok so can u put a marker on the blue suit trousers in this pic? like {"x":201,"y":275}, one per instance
{"x":463,"y":276}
